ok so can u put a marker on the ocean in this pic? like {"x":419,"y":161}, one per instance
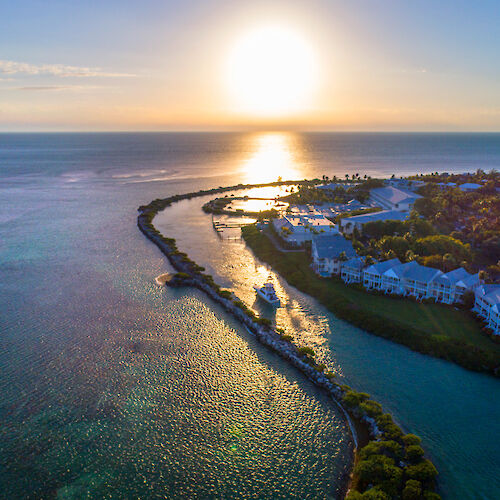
{"x":115,"y":388}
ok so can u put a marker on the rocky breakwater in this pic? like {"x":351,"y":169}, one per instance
{"x":388,"y":464}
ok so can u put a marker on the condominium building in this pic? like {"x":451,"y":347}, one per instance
{"x":487,"y":305}
{"x":352,"y":270}
{"x":392,"y":198}
{"x":328,"y":253}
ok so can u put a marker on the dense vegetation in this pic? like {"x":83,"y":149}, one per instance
{"x":472,"y":218}
{"x":342,"y":193}
{"x":413,"y":239}
{"x":387,"y":468}
{"x":435,"y":329}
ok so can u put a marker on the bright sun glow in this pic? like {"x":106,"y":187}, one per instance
{"x":272,"y":71}
{"x":273,"y":156}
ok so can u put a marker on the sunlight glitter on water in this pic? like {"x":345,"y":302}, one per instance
{"x":273,"y":155}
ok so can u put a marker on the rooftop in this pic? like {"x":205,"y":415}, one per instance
{"x":382,"y":267}
{"x":332,"y":246}
{"x":489,"y":292}
{"x":382,"y":215}
{"x":355,"y":263}
{"x":394,"y":195}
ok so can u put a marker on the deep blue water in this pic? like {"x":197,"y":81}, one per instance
{"x":114,"y":387}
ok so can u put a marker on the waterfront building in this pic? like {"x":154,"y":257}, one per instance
{"x":392,"y":198}
{"x":372,"y":275}
{"x":449,"y":288}
{"x":487,"y":305}
{"x":352,"y":270}
{"x":297,"y":229}
{"x":409,"y":278}
{"x":327,"y":254}
{"x":348,"y":224}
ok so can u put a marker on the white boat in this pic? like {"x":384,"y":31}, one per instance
{"x":268,"y":293}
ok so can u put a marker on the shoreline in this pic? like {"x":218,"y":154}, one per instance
{"x":365,"y":419}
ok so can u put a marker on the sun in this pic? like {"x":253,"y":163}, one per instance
{"x":271,"y":71}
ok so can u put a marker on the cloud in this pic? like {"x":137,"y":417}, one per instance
{"x":58,"y":70}
{"x":42,"y":88}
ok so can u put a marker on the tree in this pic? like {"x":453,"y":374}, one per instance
{"x":342,"y":256}
{"x":449,"y":262}
{"x":414,"y":453}
{"x":412,"y":490}
{"x":424,"y":471}
{"x":409,"y":256}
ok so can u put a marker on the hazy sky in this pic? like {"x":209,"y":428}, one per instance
{"x":168,"y":65}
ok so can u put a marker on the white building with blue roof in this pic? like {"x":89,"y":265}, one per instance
{"x":449,"y":288}
{"x":352,"y":270}
{"x":327,"y":254}
{"x":297,"y":229}
{"x":372,"y":275}
{"x":410,"y":278}
{"x":392,"y":198}
{"x":348,"y":224}
{"x":487,"y":305}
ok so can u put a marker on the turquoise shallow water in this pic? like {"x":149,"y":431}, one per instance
{"x":114,"y":387}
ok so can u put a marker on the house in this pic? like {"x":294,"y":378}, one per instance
{"x":352,"y":270}
{"x":297,"y":229}
{"x":409,"y":278}
{"x":408,"y":184}
{"x":449,"y":288}
{"x":348,"y":224}
{"x":487,"y":305}
{"x":327,"y":254}
{"x":469,"y":186}
{"x":372,"y":275}
{"x":392,"y":198}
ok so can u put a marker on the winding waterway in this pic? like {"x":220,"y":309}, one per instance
{"x":112,"y":384}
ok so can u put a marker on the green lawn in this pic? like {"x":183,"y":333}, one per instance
{"x":435,"y":326}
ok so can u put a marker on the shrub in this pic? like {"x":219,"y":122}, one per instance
{"x":371,"y":408}
{"x":306,"y":351}
{"x":354,"y":399}
{"x":414,"y":453}
{"x":425,"y":472}
{"x":410,"y":439}
{"x":412,"y":490}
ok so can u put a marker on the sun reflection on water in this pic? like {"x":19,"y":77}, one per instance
{"x":274,"y":155}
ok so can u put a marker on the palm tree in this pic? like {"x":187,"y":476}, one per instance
{"x":342,"y":257}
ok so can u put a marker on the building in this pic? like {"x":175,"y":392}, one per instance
{"x":469,"y":186}
{"x":449,"y":288}
{"x":352,"y":270}
{"x":408,"y":184}
{"x":392,"y":198}
{"x":487,"y":305}
{"x":327,"y":254}
{"x":297,"y":229}
{"x":348,"y":224}
{"x":372,"y":275}
{"x":409,"y":278}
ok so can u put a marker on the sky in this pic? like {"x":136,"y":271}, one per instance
{"x":357,"y":65}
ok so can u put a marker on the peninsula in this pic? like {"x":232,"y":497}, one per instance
{"x":389,"y":463}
